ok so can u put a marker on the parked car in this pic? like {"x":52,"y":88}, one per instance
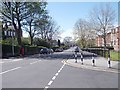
{"x":51,"y":51}
{"x":77,"y":49}
{"x":59,"y":50}
{"x":44,"y":51}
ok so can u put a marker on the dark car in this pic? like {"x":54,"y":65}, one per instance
{"x":77,"y":49}
{"x":51,"y":51}
{"x":44,"y":51}
{"x":59,"y":50}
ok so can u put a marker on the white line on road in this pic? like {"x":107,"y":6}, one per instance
{"x":50,"y":83}
{"x":17,"y":60}
{"x":1,"y":62}
{"x":56,"y":74}
{"x":35,"y":62}
{"x":46,"y":87}
{"x":10,"y":70}
{"x":54,"y":77}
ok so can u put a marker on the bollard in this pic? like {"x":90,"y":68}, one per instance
{"x":82,"y":58}
{"x":75,"y":57}
{"x":109,"y":64}
{"x":93,"y":60}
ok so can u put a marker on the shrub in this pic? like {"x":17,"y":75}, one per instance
{"x":25,"y":41}
{"x":29,"y":50}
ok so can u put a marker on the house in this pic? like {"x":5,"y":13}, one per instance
{"x":115,"y":38}
{"x":8,"y":31}
{"x":112,"y":39}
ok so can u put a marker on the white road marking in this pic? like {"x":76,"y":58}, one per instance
{"x":54,"y":77}
{"x":10,"y":60}
{"x":50,"y":83}
{"x":1,"y":62}
{"x":56,"y":74}
{"x":35,"y":62}
{"x":46,"y":87}
{"x":17,"y":60}
{"x":10,"y":70}
{"x":59,"y":71}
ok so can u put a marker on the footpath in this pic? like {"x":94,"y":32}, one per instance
{"x":100,"y":64}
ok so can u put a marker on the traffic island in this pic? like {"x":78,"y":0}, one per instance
{"x":100,"y":65}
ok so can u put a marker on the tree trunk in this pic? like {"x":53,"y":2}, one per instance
{"x":31,"y":38}
{"x":104,"y":37}
{"x":17,"y":33}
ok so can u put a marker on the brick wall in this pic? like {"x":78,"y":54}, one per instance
{"x":112,"y":39}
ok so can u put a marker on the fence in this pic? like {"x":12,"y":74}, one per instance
{"x":98,"y":51}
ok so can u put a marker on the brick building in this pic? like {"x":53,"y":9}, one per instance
{"x":112,"y":39}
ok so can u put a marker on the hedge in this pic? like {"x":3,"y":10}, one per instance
{"x":29,"y":50}
{"x":98,"y":51}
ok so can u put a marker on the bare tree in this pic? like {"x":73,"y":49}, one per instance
{"x":83,"y":32}
{"x":67,"y":41}
{"x":103,"y":18}
{"x":48,"y":29}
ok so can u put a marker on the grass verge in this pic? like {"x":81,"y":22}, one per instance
{"x":115,"y":55}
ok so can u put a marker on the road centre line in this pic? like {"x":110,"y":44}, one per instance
{"x":10,"y":70}
{"x":56,"y":74}
{"x":50,"y":83}
{"x":54,"y":77}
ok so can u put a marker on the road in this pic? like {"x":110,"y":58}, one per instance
{"x":48,"y":71}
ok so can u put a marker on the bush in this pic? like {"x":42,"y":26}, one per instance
{"x":42,"y":42}
{"x":55,"y":47}
{"x":29,"y":50}
{"x":108,"y":47}
{"x":25,"y":41}
{"x":8,"y":41}
{"x":7,"y":50}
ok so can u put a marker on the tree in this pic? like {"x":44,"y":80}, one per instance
{"x":15,"y":13}
{"x":67,"y":41}
{"x":59,"y":43}
{"x":36,"y":10}
{"x":47,"y":28}
{"x":103,"y":19}
{"x":83,"y":32}
{"x":18,"y":12}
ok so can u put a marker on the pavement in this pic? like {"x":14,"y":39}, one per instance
{"x":101,"y":64}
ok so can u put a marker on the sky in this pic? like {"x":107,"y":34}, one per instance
{"x":65,"y":14}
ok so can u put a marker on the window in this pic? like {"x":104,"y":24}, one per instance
{"x":11,"y":33}
{"x":14,"y":34}
{"x":114,"y":42}
{"x":118,"y":41}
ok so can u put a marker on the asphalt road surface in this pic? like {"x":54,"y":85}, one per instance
{"x":48,"y":71}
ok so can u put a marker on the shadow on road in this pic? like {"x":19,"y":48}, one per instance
{"x":62,"y":55}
